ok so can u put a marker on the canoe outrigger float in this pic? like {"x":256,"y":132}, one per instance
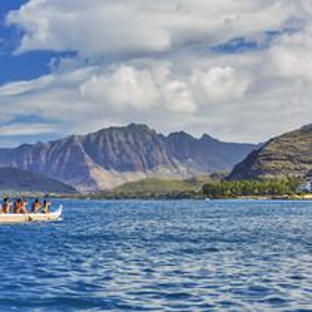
{"x":31,"y":217}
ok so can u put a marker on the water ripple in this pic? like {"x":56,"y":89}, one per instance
{"x":161,"y":256}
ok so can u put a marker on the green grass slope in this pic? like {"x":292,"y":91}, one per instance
{"x":159,"y":188}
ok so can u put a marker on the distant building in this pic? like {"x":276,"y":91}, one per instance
{"x":306,"y":186}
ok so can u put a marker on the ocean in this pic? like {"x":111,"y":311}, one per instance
{"x":161,"y":256}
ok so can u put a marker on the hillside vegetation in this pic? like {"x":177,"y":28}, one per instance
{"x":252,"y":188}
{"x":163,"y":188}
{"x":288,"y":155}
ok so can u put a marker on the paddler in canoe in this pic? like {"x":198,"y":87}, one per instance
{"x":6,"y":206}
{"x":20,"y":206}
{"x":45,"y":206}
{"x":35,"y":208}
{"x":16,"y":206}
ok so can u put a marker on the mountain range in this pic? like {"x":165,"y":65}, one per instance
{"x":110,"y":157}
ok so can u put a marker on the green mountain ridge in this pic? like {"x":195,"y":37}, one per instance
{"x":286,"y":156}
{"x":16,"y":180}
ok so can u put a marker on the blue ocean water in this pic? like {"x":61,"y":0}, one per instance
{"x":161,"y":256}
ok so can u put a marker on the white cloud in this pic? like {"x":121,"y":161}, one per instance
{"x":159,"y":86}
{"x":100,"y":27}
{"x":126,"y":86}
{"x":219,"y":84}
{"x":151,"y":63}
{"x":292,"y":55}
{"x":178,"y":97}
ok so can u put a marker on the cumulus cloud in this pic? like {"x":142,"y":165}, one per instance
{"x":103,"y":27}
{"x":158,"y":85}
{"x":292,"y":55}
{"x":124,"y":87}
{"x":219,"y":84}
{"x":153,"y":62}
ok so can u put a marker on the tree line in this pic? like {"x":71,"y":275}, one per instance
{"x":265,"y":187}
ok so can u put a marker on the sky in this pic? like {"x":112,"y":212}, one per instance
{"x":238,"y":70}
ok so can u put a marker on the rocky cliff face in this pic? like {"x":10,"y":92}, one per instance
{"x":289,"y":155}
{"x":112,"y":156}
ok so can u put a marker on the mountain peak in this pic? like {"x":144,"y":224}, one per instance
{"x":181,"y":134}
{"x":132,"y":127}
{"x":207,"y":137}
{"x":137,"y":126}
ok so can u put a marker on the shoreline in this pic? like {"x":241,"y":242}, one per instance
{"x":148,"y":197}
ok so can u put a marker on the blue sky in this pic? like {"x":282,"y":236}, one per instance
{"x":20,"y":67}
{"x":25,"y":66}
{"x":225,"y":68}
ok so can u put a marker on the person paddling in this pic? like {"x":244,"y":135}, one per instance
{"x":45,"y":206}
{"x":6,"y":205}
{"x":23,"y":206}
{"x":16,"y":206}
{"x":36,"y":206}
{"x":20,"y":206}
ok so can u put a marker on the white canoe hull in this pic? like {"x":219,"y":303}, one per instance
{"x":31,"y":217}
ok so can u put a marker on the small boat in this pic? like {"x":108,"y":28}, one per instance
{"x":31,"y":217}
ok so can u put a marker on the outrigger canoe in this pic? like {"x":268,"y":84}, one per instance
{"x":31,"y":217}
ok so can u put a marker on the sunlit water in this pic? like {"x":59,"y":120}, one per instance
{"x":161,"y":256}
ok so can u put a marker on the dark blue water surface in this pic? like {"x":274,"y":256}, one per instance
{"x":161,"y":256}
